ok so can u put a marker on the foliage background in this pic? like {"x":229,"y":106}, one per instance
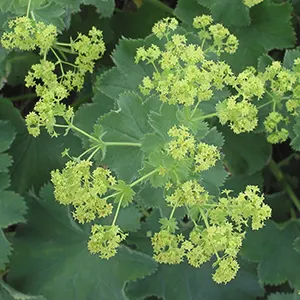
{"x":43,"y":252}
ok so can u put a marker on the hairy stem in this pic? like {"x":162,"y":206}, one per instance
{"x":276,"y":171}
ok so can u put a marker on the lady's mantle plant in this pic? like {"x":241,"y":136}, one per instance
{"x":178,"y":153}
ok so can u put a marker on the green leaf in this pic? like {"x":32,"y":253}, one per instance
{"x":12,"y":209}
{"x":5,"y":251}
{"x":264,"y":61}
{"x":237,"y":183}
{"x":128,"y":124}
{"x":187,"y":10}
{"x":8,"y":293}
{"x":290,"y":56}
{"x":51,"y":257}
{"x":245,"y":153}
{"x":138,"y":23}
{"x":280,"y":204}
{"x":151,"y":142}
{"x":228,"y":12}
{"x":17,"y":65}
{"x":105,"y":7}
{"x":7,"y":135}
{"x":112,"y":83}
{"x":281,"y":296}
{"x":126,"y":193}
{"x":182,"y":281}
{"x":272,"y":247}
{"x":123,"y":57}
{"x":12,"y":206}
{"x":264,"y":34}
{"x":129,"y":219}
{"x":192,"y":120}
{"x":163,"y":120}
{"x":88,"y":114}
{"x":56,"y":17}
{"x":150,"y":197}
{"x":295,"y":143}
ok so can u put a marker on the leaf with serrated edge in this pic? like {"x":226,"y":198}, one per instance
{"x":228,"y":12}
{"x":128,"y":124}
{"x":8,"y":293}
{"x":178,"y":282}
{"x":245,"y":153}
{"x":282,"y":296}
{"x":272,"y":247}
{"x":51,"y":257}
{"x":266,"y":31}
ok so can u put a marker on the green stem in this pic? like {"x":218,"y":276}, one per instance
{"x":122,"y":144}
{"x":87,"y":151}
{"x":112,"y":195}
{"x":161,"y":6}
{"x":195,"y":108}
{"x":94,"y":152}
{"x":172,"y":212}
{"x":281,"y":179}
{"x":265,"y":104}
{"x":69,"y":64}
{"x":58,"y":60}
{"x":72,"y":126}
{"x":206,"y":117}
{"x":63,"y":44}
{"x":143,"y":178}
{"x":23,"y":97}
{"x":28,"y":8}
{"x":63,"y":49}
{"x":117,"y":212}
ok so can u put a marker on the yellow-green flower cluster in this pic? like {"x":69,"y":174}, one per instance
{"x":248,"y":84}
{"x":220,"y":37}
{"x":76,"y":185}
{"x":206,"y":157}
{"x":242,"y":116}
{"x":182,"y":74}
{"x":275,"y":135}
{"x":183,"y":145}
{"x":89,"y":48}
{"x":247,"y":205}
{"x":105,"y":240}
{"x":280,"y":79}
{"x":165,"y":27}
{"x":166,"y":247}
{"x":28,"y":34}
{"x":251,"y":3}
{"x":51,"y":92}
{"x":221,"y":234}
{"x":190,"y":193}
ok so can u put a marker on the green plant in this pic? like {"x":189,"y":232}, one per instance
{"x":157,"y":170}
